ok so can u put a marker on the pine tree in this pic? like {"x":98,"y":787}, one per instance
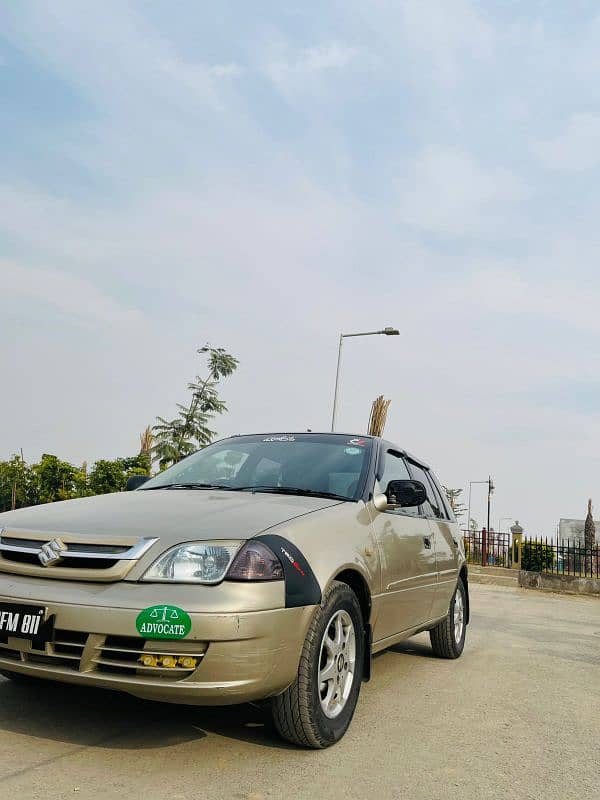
{"x":589,"y":530}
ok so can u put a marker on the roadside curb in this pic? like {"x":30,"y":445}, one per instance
{"x":493,"y":580}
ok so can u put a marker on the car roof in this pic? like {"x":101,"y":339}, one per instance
{"x":406,"y":453}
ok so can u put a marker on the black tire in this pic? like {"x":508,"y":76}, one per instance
{"x":297,"y":712}
{"x":443,"y":636}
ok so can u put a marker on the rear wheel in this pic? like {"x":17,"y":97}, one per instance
{"x":316,"y":710}
{"x":448,"y":637}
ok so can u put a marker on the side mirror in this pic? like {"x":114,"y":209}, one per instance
{"x":135,"y":481}
{"x":405,"y":494}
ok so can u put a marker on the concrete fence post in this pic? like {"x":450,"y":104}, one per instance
{"x":517,"y":545}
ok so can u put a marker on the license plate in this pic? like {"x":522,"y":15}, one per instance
{"x":25,"y":622}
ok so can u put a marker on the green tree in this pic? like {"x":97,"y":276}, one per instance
{"x":537,"y":556}
{"x":57,"y":480}
{"x":189,"y":430}
{"x":453,"y":496}
{"x":589,"y":530}
{"x":18,"y":484}
{"x":106,"y":476}
{"x":136,"y":465}
{"x":111,"y":476}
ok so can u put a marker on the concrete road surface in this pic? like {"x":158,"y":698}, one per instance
{"x":518,"y":716}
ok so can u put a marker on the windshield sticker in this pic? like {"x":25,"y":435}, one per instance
{"x":352,"y":451}
{"x":280,"y":439}
{"x":163,"y":622}
{"x":359,"y":442}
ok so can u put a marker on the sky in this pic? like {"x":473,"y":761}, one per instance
{"x":263,"y":176}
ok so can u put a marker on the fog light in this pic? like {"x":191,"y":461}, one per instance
{"x":148,"y":660}
{"x":188,"y":662}
{"x":168,"y":661}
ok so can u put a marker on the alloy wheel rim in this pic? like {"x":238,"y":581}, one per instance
{"x":459,"y":616}
{"x":337,"y":664}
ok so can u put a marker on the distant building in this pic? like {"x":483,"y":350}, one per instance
{"x":572,"y":530}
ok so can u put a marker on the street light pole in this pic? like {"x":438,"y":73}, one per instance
{"x":484,"y":539}
{"x":491,"y":487}
{"x":337,"y":381}
{"x":471,"y":483}
{"x":490,"y":492}
{"x":385,"y":332}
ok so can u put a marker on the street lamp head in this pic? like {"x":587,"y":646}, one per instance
{"x":391,"y":331}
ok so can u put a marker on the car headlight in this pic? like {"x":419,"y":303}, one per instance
{"x":212,"y":562}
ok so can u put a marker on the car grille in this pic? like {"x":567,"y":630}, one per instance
{"x":117,"y":655}
{"x":68,"y":556}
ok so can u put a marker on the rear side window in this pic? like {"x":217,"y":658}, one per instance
{"x":442,"y":495}
{"x":433,"y":507}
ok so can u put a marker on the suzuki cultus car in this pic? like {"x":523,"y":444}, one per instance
{"x":268,"y":566}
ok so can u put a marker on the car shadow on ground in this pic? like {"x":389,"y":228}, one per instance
{"x":91,"y":717}
{"x":410,"y":647}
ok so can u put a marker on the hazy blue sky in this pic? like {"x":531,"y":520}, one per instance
{"x":263,"y":175}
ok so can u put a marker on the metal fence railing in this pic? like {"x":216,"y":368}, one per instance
{"x":562,"y":558}
{"x":488,"y":548}
{"x":491,"y":549}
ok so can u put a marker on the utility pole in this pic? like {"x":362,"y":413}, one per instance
{"x":484,"y":536}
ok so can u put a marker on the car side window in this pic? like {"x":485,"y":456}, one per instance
{"x":449,"y":510}
{"x":431,"y":507}
{"x":443,"y":506}
{"x":394,"y":469}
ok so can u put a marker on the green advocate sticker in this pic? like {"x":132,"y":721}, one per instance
{"x":163,"y":622}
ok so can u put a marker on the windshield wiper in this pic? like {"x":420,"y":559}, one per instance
{"x":290,"y":490}
{"x":185,"y":486}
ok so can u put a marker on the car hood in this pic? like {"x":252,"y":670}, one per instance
{"x":172,"y":515}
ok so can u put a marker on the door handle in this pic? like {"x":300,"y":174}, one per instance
{"x":427,"y":542}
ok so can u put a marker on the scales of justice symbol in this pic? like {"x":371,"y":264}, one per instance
{"x":164,"y":609}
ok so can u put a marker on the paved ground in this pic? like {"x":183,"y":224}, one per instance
{"x":518,"y":716}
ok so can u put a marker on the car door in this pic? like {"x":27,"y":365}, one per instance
{"x":444,"y":532}
{"x":408,"y":568}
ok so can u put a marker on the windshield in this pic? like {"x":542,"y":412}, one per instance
{"x":323,"y":464}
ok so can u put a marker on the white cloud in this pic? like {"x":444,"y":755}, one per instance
{"x":444,"y":32}
{"x":224,"y":226}
{"x":122,"y":66}
{"x":331,"y":56}
{"x":229,"y":70}
{"x":575,"y":148}
{"x":65,"y":294}
{"x":198,"y":76}
{"x":445,"y":191}
{"x":289,"y":68}
{"x":510,"y":291}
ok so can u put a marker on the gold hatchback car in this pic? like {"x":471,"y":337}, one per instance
{"x":263,"y":566}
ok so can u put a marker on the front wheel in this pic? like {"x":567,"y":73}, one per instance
{"x":316,"y":710}
{"x":448,"y":637}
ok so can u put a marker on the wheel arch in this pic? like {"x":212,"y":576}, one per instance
{"x":464,"y":576}
{"x":357,"y":582}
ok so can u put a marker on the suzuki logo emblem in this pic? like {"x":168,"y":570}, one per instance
{"x":51,"y":553}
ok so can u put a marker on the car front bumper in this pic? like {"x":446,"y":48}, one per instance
{"x":238,"y":656}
